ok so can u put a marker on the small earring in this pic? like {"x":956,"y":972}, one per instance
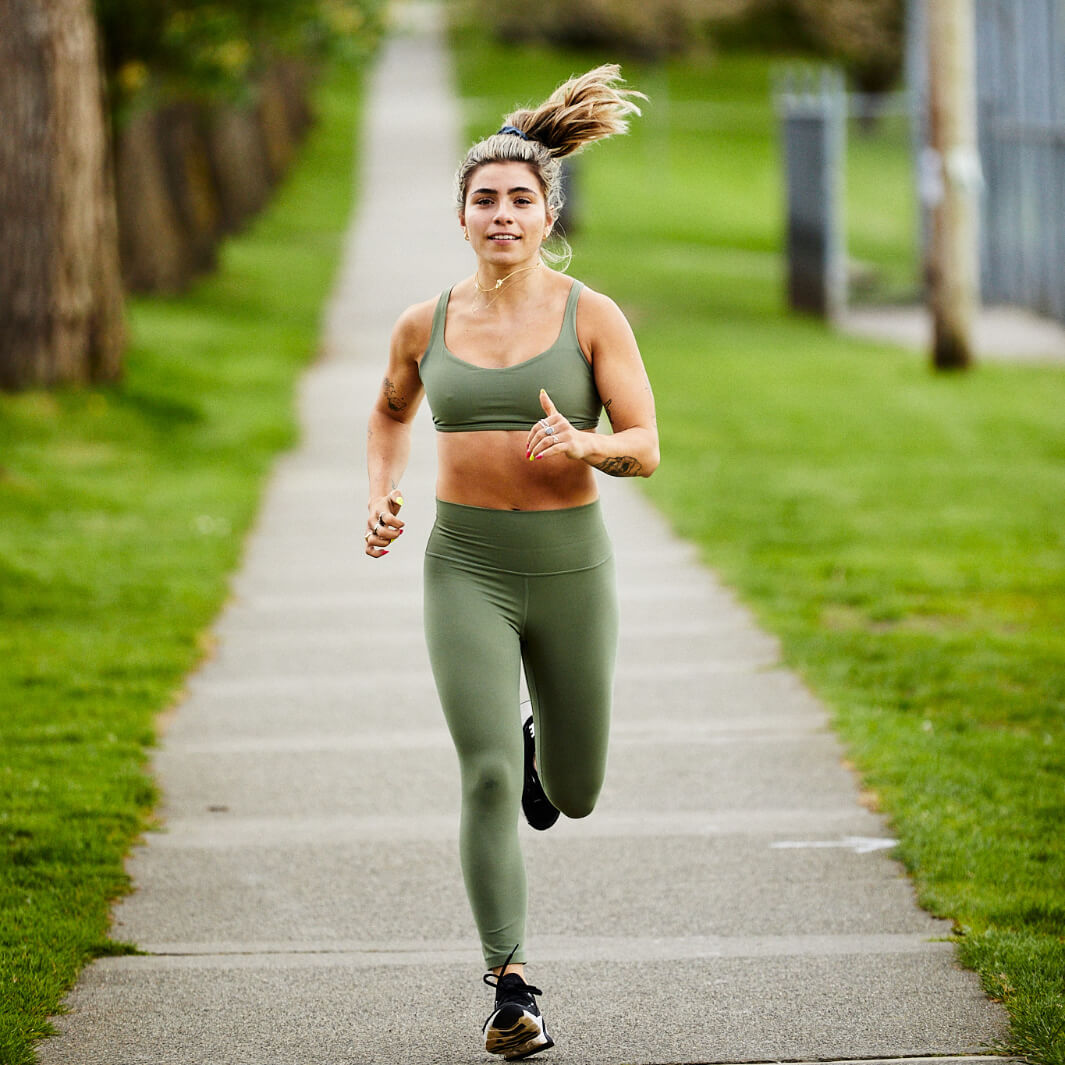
{"x":465,"y":234}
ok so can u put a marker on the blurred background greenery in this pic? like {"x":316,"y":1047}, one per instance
{"x":863,"y":35}
{"x":208,"y":104}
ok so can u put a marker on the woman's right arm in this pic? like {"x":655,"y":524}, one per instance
{"x":388,"y":431}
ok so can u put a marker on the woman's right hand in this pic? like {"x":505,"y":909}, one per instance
{"x":383,"y":524}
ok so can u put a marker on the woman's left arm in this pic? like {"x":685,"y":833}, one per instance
{"x":631,"y":450}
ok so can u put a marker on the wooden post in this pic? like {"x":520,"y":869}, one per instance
{"x":953,"y":269}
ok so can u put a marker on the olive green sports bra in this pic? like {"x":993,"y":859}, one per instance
{"x":465,"y":398}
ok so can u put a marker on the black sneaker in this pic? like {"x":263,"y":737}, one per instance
{"x":539,"y":810}
{"x":515,"y":1029}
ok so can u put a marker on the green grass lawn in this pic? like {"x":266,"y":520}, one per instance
{"x":902,"y":532}
{"x":122,"y":512}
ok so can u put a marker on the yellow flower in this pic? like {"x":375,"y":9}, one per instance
{"x":233,"y":56}
{"x":343,"y":18}
{"x":132,"y":76}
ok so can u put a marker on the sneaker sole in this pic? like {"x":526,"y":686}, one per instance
{"x":526,"y":1036}
{"x":527,"y":1052}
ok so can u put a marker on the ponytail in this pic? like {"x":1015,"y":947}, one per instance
{"x":585,"y":109}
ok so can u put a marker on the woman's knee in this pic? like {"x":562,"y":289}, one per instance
{"x":572,"y":767}
{"x":489,"y":782}
{"x":575,"y":801}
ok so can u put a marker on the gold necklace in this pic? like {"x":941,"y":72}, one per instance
{"x":499,"y":284}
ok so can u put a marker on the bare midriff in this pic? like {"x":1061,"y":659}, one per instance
{"x":490,"y":469}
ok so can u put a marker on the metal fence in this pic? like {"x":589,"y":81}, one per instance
{"x":1020,"y":77}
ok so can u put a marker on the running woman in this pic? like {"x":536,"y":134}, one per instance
{"x":518,"y":361}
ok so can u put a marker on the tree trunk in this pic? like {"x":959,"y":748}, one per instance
{"x":155,"y":253}
{"x":191,"y":183}
{"x":238,"y":159}
{"x":296,"y":78}
{"x":61,"y":308}
{"x":273,"y":114}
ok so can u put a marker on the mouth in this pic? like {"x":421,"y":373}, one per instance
{"x":503,"y":237}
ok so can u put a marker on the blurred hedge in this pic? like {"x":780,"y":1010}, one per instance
{"x":212,"y":50}
{"x":209,"y":101}
{"x":864,"y":36}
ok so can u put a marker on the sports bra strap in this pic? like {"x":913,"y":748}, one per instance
{"x":569,"y":320}
{"x":436,"y":336}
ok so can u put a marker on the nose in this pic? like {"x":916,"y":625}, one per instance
{"x":502,"y":213}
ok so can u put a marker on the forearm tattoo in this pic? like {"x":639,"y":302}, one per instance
{"x":395,"y":401}
{"x":620,"y":466}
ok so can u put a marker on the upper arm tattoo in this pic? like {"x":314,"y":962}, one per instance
{"x":396,"y":402}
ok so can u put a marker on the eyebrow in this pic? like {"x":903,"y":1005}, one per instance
{"x":510,"y":192}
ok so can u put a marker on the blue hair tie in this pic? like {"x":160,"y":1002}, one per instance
{"x":514,"y":129}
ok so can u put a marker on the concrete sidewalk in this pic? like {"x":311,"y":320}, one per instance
{"x":731,"y":899}
{"x":1000,"y":334}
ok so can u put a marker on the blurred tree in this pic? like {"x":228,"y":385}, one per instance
{"x":631,"y":27}
{"x":210,"y":99}
{"x":61,"y":315}
{"x":212,"y":50}
{"x":865,"y":36}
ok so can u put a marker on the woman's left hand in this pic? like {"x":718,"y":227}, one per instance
{"x":553,"y":436}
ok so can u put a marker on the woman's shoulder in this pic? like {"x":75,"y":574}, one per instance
{"x":596,"y":310}
{"x":414,"y":327}
{"x":602,"y":327}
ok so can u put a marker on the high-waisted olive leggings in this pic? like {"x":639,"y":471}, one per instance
{"x":505,"y":589}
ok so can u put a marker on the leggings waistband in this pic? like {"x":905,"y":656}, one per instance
{"x":528,"y":542}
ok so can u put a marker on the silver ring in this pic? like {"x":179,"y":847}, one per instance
{"x":549,"y":430}
{"x":367,"y":537}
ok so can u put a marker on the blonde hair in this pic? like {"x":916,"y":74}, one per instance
{"x":585,"y":109}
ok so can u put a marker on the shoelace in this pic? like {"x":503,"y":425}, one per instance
{"x":492,"y":980}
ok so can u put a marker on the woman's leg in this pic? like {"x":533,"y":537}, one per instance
{"x":471,"y":621}
{"x":569,"y":651}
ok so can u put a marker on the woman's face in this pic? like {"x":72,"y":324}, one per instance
{"x":505,"y":214}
